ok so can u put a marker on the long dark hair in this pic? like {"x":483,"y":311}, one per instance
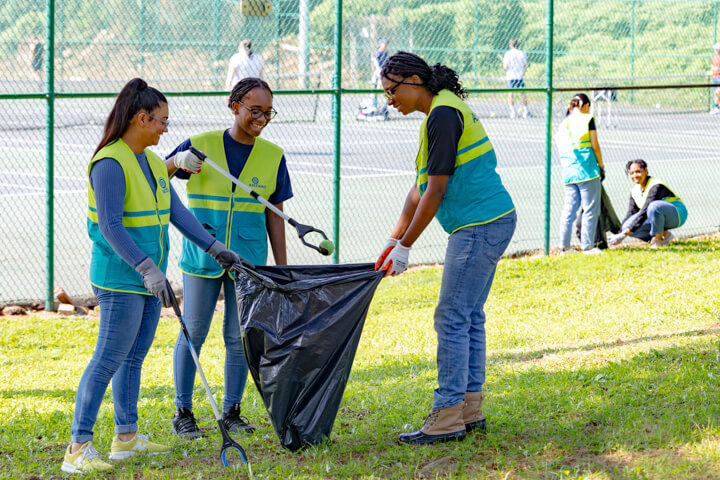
{"x":435,"y":78}
{"x":577,"y":101}
{"x":135,"y":96}
{"x":244,"y":86}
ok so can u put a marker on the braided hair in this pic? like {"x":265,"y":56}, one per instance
{"x":638,"y":161}
{"x":435,"y":78}
{"x":244,"y":86}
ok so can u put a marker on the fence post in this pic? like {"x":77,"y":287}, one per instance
{"x":336,"y":112}
{"x":49,"y":157}
{"x":548,"y":123}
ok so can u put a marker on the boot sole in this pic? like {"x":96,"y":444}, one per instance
{"x":459,"y":436}
{"x":477,"y":425}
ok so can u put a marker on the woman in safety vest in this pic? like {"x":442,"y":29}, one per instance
{"x":582,"y":172}
{"x":653,"y":211}
{"x":456,"y":182}
{"x":240,"y":222}
{"x":130,"y":204}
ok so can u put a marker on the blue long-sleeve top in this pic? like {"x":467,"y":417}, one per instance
{"x":110,"y":197}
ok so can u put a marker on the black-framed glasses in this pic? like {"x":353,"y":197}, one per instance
{"x":390,"y":92}
{"x":257,"y":113}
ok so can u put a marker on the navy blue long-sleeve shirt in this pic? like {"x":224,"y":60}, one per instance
{"x":105,"y":178}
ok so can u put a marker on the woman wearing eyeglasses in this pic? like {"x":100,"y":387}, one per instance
{"x":243,"y":224}
{"x":130,"y":204}
{"x":456,"y":182}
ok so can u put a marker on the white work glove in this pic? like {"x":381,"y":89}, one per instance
{"x":226,"y":258}
{"x":617,"y":238}
{"x":155,"y":281}
{"x":385,"y":252}
{"x":187,"y":161}
{"x":397,"y":260}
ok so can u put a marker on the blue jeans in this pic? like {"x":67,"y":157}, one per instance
{"x":127,"y":329}
{"x":661,"y":216}
{"x":200,"y":298}
{"x":470,"y":261}
{"x":586,"y":194}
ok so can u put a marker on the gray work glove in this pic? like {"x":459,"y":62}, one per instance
{"x":226,"y":258}
{"x":155,"y":281}
{"x":616,"y":239}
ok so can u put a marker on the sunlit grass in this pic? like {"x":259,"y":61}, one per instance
{"x":599,"y":367}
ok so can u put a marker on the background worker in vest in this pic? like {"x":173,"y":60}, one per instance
{"x":582,"y":172}
{"x":653,"y":211}
{"x":211,"y":196}
{"x":128,"y":224}
{"x":457,"y":183}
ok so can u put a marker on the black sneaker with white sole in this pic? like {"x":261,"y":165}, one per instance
{"x":184,"y":424}
{"x":233,"y":422}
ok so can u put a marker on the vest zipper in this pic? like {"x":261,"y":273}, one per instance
{"x":230,"y":219}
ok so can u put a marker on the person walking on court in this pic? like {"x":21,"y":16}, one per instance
{"x":653,"y":211}
{"x":130,"y":204}
{"x":582,"y":172}
{"x":456,"y":182}
{"x":242,"y":223}
{"x":378,"y":60}
{"x":715,"y":72}
{"x":515,"y":63}
{"x":245,"y":63}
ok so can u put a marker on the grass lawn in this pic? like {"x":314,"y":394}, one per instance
{"x":602,"y":367}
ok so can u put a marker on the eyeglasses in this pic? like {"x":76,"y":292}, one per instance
{"x":257,"y":113}
{"x":390,"y":92}
{"x":166,"y":123}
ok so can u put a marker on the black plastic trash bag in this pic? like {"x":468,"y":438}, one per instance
{"x":607,"y":221}
{"x":300,"y":327}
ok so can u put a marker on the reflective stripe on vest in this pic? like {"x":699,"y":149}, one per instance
{"x":640,"y":196}
{"x":145,"y":219}
{"x":577,"y":157}
{"x":475,"y":194}
{"x":235,"y":219}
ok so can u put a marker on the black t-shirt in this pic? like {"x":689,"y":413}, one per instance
{"x":445,"y":126}
{"x":657,"y":192}
{"x":591,"y":125}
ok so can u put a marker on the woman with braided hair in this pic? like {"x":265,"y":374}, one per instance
{"x":456,"y":182}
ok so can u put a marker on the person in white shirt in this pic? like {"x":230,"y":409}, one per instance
{"x":515,"y":63}
{"x":243,"y":64}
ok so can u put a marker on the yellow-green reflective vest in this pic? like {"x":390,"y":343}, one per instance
{"x":145,"y":219}
{"x":640,"y":196}
{"x":475,"y":194}
{"x":235,"y":219}
{"x":577,"y":157}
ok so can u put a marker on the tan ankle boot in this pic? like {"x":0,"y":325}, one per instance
{"x":440,"y":426}
{"x":473,"y":416}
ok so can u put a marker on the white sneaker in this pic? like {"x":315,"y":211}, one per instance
{"x":592,"y":251}
{"x":120,"y":450}
{"x":84,"y":460}
{"x":714,"y":111}
{"x":667,"y":238}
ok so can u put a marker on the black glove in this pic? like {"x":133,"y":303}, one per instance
{"x":602,"y":174}
{"x":155,"y":281}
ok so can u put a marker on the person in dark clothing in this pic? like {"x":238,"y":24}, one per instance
{"x":653,"y":211}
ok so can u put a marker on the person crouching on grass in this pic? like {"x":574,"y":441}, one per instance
{"x":456,"y":182}
{"x":256,"y":162}
{"x":130,"y":204}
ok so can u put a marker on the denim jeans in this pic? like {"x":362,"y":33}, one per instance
{"x":586,"y":194}
{"x":661,"y":216}
{"x":127,"y":329}
{"x":200,"y":298}
{"x":470,"y":261}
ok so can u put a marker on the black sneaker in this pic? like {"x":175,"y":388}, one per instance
{"x":184,"y":424}
{"x":233,"y":422}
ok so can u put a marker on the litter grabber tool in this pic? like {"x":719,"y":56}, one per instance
{"x":325,"y":247}
{"x":228,"y":443}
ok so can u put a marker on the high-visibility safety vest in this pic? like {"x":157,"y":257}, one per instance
{"x":235,"y":219}
{"x":145,"y":219}
{"x":475,"y":194}
{"x":577,"y":157}
{"x":640,"y":196}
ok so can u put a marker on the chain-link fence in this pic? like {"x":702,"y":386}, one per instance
{"x":646,"y":65}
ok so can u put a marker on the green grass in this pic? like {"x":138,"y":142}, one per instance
{"x":603,"y":367}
